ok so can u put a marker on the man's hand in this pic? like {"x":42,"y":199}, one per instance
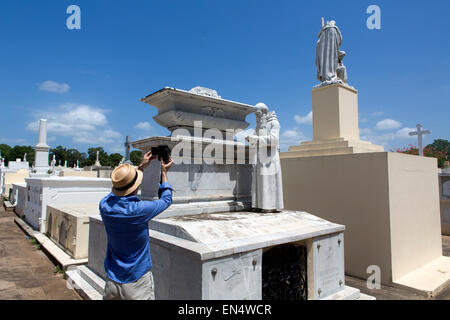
{"x":165,"y":167}
{"x":146,"y":159}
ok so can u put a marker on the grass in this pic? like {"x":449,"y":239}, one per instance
{"x":60,"y":270}
{"x":35,"y":243}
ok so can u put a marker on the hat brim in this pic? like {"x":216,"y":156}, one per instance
{"x":126,"y":192}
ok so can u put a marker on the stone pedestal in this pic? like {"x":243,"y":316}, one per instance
{"x":389,"y":203}
{"x":41,"y":166}
{"x":335,"y":124}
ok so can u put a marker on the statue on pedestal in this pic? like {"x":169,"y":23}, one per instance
{"x":53,"y":164}
{"x":267,"y":186}
{"x":330,"y":68}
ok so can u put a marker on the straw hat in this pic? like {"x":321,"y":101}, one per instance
{"x":125,"y":179}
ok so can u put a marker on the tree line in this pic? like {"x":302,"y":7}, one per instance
{"x":70,"y":155}
{"x":439,"y":149}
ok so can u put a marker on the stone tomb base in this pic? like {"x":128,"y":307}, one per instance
{"x":231,"y":256}
{"x":68,"y":227}
{"x":389,"y":203}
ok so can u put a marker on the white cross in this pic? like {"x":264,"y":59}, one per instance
{"x":419,"y":133}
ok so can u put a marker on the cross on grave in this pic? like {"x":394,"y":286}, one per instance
{"x":127,"y":148}
{"x":420,"y":133}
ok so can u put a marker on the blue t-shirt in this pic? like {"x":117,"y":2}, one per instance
{"x":126,"y":223}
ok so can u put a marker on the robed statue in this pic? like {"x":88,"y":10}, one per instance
{"x":330,"y":68}
{"x":267,"y":185}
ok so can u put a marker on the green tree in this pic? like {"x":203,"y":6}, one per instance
{"x":17,"y":152}
{"x":440,"y":145}
{"x":114,"y":159}
{"x":72,"y":155}
{"x":136,"y":157}
{"x":60,"y":153}
{"x":5,"y":150}
{"x":92,"y":156}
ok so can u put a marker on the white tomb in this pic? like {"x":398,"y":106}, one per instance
{"x":44,"y":191}
{"x":18,"y":165}
{"x":19,"y":197}
{"x":68,"y":227}
{"x":207,"y":245}
{"x":222,"y":255}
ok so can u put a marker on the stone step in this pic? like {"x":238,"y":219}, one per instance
{"x":9,"y":207}
{"x":336,"y":140}
{"x":76,"y":282}
{"x":92,"y":278}
{"x":319,"y":146}
{"x":311,"y":153}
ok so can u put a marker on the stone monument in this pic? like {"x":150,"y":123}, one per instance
{"x":208,"y":244}
{"x":387,"y":201}
{"x":41,"y":166}
{"x":330,"y":68}
{"x":267,"y":185}
{"x":97,"y":162}
{"x":334,"y":104}
{"x":53,"y":165}
{"x":127,"y":149}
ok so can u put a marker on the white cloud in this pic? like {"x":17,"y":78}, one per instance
{"x":146,"y":126}
{"x":404,"y":133}
{"x":53,"y":86}
{"x":388,"y":124}
{"x":304,"y":120}
{"x":83,"y":123}
{"x":292,"y":137}
{"x":363,"y":120}
{"x":384,"y":139}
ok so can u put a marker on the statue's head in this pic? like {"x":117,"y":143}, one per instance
{"x":261,"y":109}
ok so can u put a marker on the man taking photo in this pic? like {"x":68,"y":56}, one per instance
{"x":128,"y":262}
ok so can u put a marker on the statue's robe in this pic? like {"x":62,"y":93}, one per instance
{"x":327,"y":53}
{"x":267,"y":185}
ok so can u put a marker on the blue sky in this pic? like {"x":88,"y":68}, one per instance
{"x":88,"y":82}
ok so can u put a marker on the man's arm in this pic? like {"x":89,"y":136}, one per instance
{"x":153,"y":208}
{"x":146,"y":159}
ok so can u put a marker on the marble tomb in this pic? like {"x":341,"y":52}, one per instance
{"x":208,"y":245}
{"x":44,"y":191}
